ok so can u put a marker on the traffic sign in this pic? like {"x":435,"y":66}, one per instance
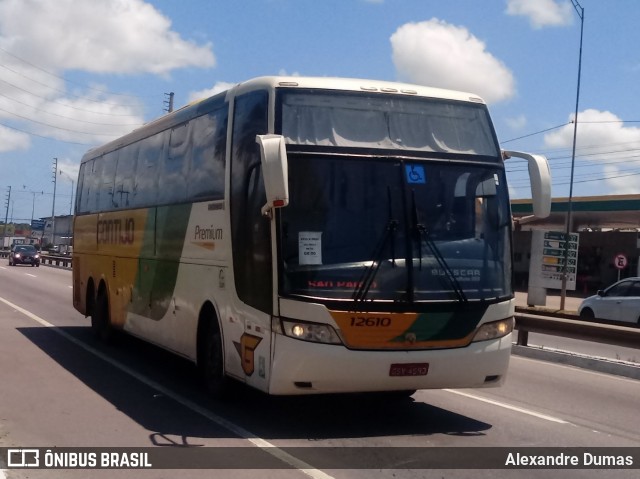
{"x":620,"y":261}
{"x":37,"y":225}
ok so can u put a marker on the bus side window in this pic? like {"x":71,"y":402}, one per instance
{"x":105,"y":195}
{"x":94,"y":185}
{"x":172,"y":179}
{"x":251,"y":245}
{"x":209,"y":137}
{"x":125,"y":172}
{"x":151,"y":151}
{"x":84,"y":181}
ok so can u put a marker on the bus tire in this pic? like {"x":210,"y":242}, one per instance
{"x":100,"y":324}
{"x":211,"y":361}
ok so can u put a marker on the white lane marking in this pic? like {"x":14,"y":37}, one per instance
{"x":32,"y":275}
{"x":266,"y":446}
{"x":70,"y":287}
{"x":509,"y":406}
{"x":578,"y":369}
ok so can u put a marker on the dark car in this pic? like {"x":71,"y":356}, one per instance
{"x":24,"y":254}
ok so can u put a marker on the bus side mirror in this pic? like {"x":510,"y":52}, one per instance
{"x":540,"y":177}
{"x":273,"y":156}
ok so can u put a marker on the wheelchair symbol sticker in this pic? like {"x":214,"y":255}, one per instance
{"x":415,"y":174}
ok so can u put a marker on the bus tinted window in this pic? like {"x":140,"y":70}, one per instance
{"x":251,"y":246}
{"x":125,"y":175}
{"x":94,"y":184}
{"x":172,"y":180}
{"x":105,"y":195}
{"x":84,"y":180}
{"x":151,"y":152}
{"x":209,"y":137}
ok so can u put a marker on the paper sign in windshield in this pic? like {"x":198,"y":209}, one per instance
{"x":310,"y":247}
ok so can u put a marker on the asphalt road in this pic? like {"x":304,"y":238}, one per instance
{"x":61,"y":388}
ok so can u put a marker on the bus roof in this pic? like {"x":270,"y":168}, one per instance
{"x":273,"y":82}
{"x":356,"y":84}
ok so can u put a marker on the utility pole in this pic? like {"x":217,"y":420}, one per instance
{"x":563,"y":293}
{"x":169,"y":102}
{"x":6,"y":217}
{"x":53,"y":208}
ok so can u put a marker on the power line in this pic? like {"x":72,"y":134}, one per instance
{"x":537,"y":132}
{"x":593,"y":162}
{"x":569,"y":123}
{"x":63,"y":104}
{"x":64,"y":79}
{"x":57,"y":127}
{"x":43,"y":136}
{"x":68,"y":117}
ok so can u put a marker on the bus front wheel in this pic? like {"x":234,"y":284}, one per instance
{"x":212,"y":363}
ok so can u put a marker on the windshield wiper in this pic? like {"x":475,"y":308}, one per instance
{"x":366,"y":281}
{"x":423,"y":232}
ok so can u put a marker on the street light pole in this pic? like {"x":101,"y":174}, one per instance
{"x":580,"y":11}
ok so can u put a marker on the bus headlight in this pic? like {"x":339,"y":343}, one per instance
{"x":313,"y":332}
{"x":494,"y":330}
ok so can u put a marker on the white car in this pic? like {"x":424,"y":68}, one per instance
{"x":619,"y":302}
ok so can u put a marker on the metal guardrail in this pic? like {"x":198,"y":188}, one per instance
{"x":60,"y":261}
{"x":599,"y":332}
{"x":47,"y":259}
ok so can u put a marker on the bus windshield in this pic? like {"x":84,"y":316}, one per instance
{"x":395,"y":230}
{"x":387,"y":122}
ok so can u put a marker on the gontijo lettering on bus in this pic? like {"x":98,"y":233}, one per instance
{"x":116,"y":231}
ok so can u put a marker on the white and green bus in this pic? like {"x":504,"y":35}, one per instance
{"x":308,"y":235}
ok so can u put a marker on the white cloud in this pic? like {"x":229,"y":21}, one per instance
{"x":542,"y":13}
{"x":104,"y":36}
{"x":602,"y":140}
{"x":11,"y":140}
{"x":517,"y":123}
{"x":435,"y":53}
{"x":40,"y":40}
{"x":38,"y":103}
{"x":69,"y":169}
{"x":206,"y":93}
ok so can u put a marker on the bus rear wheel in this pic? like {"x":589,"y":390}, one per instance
{"x":100,"y":324}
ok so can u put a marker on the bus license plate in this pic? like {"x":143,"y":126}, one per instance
{"x":411,"y":369}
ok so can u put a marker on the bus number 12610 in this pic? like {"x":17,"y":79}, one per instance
{"x":370,"y":321}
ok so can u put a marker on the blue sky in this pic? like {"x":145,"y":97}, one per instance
{"x":75,"y":74}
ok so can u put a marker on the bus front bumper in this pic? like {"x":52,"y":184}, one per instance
{"x":301,"y":367}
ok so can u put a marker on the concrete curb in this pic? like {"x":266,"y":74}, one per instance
{"x":602,"y":365}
